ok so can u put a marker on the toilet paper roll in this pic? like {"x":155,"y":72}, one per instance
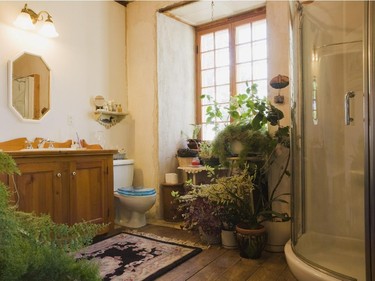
{"x":171,"y":178}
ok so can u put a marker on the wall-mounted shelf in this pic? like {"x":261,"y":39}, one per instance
{"x":108,"y":118}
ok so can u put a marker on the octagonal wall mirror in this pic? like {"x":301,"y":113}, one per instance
{"x":29,"y":87}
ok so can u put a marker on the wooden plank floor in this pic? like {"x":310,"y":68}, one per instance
{"x":217,"y":263}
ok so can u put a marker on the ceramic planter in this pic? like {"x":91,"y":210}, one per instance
{"x":278,"y":235}
{"x":228,"y":239}
{"x":251,"y":242}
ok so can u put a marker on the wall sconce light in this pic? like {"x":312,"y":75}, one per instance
{"x":28,"y":18}
{"x":279,"y":82}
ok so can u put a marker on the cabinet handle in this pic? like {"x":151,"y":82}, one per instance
{"x":74,"y":173}
{"x":58,"y":175}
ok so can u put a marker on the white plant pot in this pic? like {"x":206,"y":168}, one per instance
{"x":228,"y":239}
{"x":278,"y":235}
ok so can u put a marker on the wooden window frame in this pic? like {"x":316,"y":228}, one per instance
{"x":231,"y":23}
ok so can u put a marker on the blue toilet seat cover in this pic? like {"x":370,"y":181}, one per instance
{"x":136,"y":192}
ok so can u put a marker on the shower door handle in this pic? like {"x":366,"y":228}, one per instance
{"x":348,"y":96}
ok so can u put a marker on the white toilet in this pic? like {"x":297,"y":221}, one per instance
{"x":131,"y":203}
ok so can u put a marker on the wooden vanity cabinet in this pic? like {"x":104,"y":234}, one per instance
{"x":39,"y":190}
{"x":71,"y":186}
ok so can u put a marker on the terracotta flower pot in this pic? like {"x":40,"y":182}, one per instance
{"x":251,"y":242}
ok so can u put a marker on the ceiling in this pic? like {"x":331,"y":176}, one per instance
{"x":201,"y":12}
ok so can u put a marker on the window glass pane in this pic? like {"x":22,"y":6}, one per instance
{"x":222,"y":57}
{"x":221,"y":39}
{"x":262,"y":88}
{"x":208,"y":92}
{"x":260,"y":69}
{"x":222,"y":75}
{"x":243,"y":33}
{"x":241,"y":88}
{"x":260,"y":50}
{"x":259,"y":30}
{"x":207,"y":42}
{"x":207,"y":60}
{"x":223,"y":93}
{"x":224,"y":111}
{"x":244,"y":72}
{"x":243,"y":53}
{"x":208,"y":78}
{"x":208,"y":132}
{"x":250,"y":65}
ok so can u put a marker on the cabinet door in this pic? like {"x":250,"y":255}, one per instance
{"x":39,"y":189}
{"x":88,"y":190}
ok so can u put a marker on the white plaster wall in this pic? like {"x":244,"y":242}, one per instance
{"x":278,"y":51}
{"x":278,"y":63}
{"x":87,"y":59}
{"x":141,"y":30}
{"x":176,"y":89}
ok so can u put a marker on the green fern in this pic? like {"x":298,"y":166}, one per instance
{"x":36,"y":248}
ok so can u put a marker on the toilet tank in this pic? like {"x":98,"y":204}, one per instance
{"x":123,"y":171}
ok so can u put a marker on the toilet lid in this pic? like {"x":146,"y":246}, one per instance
{"x":136,"y":192}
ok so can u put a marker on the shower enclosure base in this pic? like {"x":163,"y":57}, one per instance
{"x":301,"y":270}
{"x":339,"y":254}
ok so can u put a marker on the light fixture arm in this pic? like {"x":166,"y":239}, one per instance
{"x":35,"y":17}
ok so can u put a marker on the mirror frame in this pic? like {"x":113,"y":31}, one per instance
{"x":10,"y":87}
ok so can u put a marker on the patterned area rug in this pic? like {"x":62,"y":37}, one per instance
{"x":134,"y":257}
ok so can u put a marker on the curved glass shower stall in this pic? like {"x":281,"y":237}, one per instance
{"x":329,"y":138}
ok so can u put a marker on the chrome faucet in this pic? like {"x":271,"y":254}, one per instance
{"x":29,"y":144}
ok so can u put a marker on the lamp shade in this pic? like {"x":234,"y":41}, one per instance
{"x":48,"y":29}
{"x":24,"y":21}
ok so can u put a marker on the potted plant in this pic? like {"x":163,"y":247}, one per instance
{"x":252,"y":116}
{"x":236,"y":193}
{"x":206,"y":155}
{"x":199,"y":213}
{"x":278,"y":227}
{"x":241,"y":141}
{"x":35,"y":248}
{"x":194,"y":141}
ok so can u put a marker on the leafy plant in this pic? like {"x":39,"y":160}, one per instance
{"x":35,"y":248}
{"x":243,"y":199}
{"x":196,"y":130}
{"x":250,"y":118}
{"x":206,"y":155}
{"x":244,"y":109}
{"x":205,"y":150}
{"x":198,"y":210}
{"x":252,"y":143}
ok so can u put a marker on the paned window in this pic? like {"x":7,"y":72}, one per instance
{"x":229,"y":55}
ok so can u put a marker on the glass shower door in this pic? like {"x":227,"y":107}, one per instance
{"x":329,"y":217}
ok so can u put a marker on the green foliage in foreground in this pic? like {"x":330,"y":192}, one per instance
{"x":34,"y":248}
